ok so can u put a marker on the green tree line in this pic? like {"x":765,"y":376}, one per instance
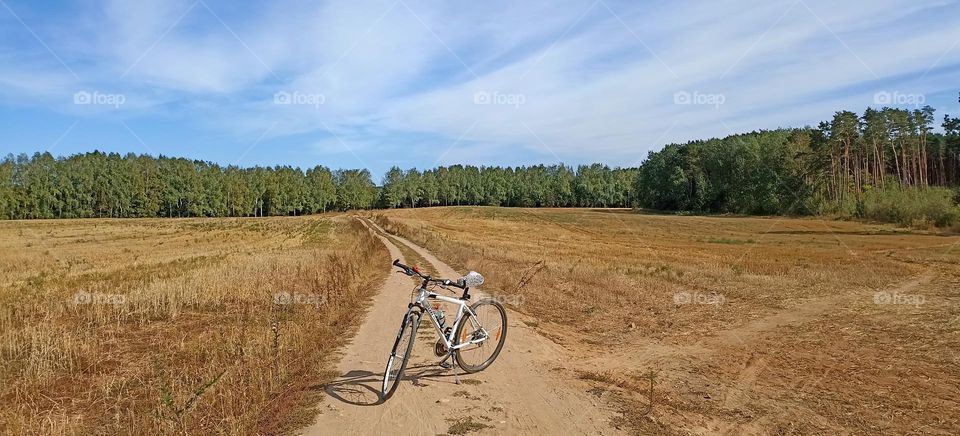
{"x":804,"y":171}
{"x":784,"y":171}
{"x":100,"y":184}
{"x":534,"y":186}
{"x":109,"y":185}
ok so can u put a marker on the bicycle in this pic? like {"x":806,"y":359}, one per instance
{"x":457,"y":342}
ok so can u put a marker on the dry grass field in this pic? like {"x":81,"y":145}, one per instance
{"x":686,"y":325}
{"x":194,"y":326}
{"x":707,"y":325}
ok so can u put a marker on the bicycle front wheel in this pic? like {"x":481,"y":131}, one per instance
{"x":400,"y":355}
{"x":486,"y":332}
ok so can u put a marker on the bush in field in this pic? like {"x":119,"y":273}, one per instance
{"x":910,"y":207}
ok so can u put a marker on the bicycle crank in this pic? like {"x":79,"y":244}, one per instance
{"x":440,"y":349}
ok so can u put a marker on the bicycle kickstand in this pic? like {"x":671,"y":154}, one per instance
{"x":456,"y":377}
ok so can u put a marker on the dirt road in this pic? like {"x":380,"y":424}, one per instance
{"x":521,"y":393}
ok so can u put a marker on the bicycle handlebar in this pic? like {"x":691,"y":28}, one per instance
{"x":411,"y":271}
{"x":407,"y":269}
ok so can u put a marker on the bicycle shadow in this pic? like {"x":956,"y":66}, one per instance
{"x":356,"y":387}
{"x":362,"y":387}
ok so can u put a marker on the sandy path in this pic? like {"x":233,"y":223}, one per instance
{"x":518,"y":394}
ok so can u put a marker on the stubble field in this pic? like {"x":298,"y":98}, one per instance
{"x":684,"y":325}
{"x":194,"y":326}
{"x":716,"y":325}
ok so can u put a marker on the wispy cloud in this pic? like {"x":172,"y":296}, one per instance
{"x":527,"y":81}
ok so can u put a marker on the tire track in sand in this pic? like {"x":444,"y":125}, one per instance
{"x":517,"y":394}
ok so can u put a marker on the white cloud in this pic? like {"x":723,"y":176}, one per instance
{"x":596,"y":79}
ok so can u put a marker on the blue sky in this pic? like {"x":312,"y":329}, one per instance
{"x":373,"y":84}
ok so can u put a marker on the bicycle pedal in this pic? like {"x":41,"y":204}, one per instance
{"x":446,"y":365}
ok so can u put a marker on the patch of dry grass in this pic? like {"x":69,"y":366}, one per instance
{"x":752,"y":325}
{"x":466,"y":426}
{"x":216,"y":326}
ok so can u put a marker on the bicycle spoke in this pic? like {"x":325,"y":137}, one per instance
{"x":486,"y":326}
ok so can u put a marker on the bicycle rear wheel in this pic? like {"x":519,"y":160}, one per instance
{"x":488,"y":328}
{"x":400,"y":355}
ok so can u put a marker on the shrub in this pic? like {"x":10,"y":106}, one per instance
{"x":914,"y":207}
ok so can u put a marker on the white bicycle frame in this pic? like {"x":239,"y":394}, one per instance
{"x":462,"y":310}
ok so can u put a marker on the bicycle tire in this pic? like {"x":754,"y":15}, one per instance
{"x":498,"y":333}
{"x":392,"y":379}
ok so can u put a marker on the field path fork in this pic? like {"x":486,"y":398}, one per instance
{"x":518,"y":394}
